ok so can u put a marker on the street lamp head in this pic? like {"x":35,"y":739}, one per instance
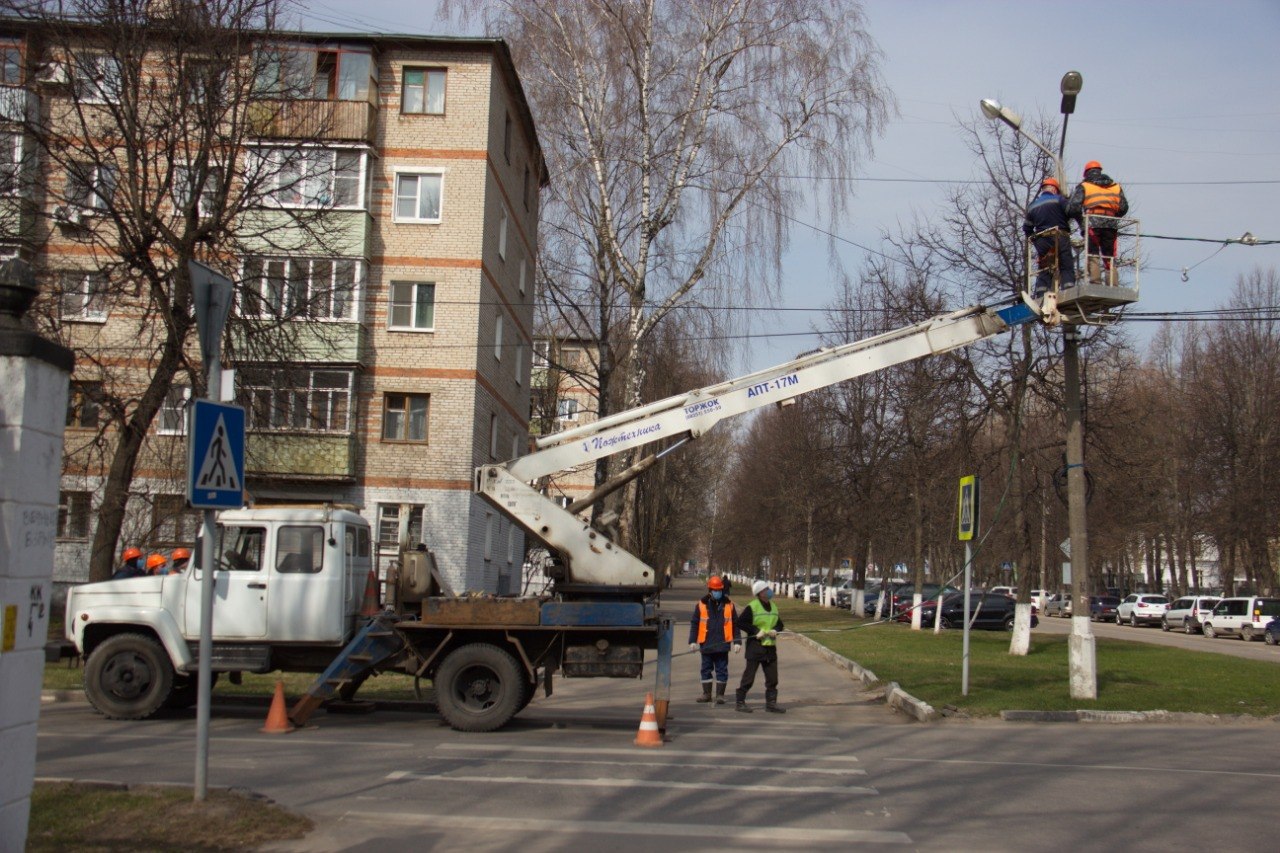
{"x":1070,"y":86}
{"x":992,"y":109}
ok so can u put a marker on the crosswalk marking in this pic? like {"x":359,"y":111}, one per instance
{"x":397,"y":775}
{"x":772,"y":768}
{"x":789,"y":757}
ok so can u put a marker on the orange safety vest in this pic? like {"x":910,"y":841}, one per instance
{"x":1101,"y":201}
{"x":702,"y":622}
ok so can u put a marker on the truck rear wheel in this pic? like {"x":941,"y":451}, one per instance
{"x":479,"y":688}
{"x":128,"y":677}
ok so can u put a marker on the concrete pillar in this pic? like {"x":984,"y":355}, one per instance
{"x":34,"y":374}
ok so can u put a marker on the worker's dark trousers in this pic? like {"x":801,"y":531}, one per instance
{"x":770,"y":667}
{"x":717,"y":662}
{"x":1054,"y":252}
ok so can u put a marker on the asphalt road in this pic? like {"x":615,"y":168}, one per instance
{"x":837,"y":771}
{"x":1255,"y":650}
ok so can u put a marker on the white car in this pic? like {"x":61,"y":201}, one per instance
{"x":1244,"y":616}
{"x":1142,"y":608}
{"x":1187,"y":613}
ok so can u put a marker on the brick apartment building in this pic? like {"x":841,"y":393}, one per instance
{"x":432,"y":165}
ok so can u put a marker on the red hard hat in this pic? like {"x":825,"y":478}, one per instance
{"x":180,"y":554}
{"x":714,"y":582}
{"x":155,"y":561}
{"x":131,"y":554}
{"x":1051,"y":182}
{"x":1092,"y":164}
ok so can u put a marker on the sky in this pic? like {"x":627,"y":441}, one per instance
{"x":1181,"y":105}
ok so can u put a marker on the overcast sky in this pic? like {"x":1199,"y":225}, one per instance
{"x":1174,"y":93}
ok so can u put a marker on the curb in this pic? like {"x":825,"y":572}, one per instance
{"x":895,"y":696}
{"x":1091,"y":716}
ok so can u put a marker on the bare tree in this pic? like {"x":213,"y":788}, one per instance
{"x":146,"y":137}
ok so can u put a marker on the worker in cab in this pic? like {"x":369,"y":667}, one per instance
{"x":178,"y":561}
{"x":713,"y":633}
{"x":130,"y":565}
{"x":156,"y":564}
{"x":760,"y":621}
{"x":1049,"y":228}
{"x":1099,"y":198}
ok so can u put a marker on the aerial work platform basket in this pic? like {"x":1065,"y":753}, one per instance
{"x":1106,"y":263}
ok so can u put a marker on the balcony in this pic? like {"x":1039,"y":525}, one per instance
{"x":294,"y":456}
{"x":350,"y":121}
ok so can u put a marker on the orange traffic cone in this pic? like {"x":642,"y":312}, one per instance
{"x":648,"y":734}
{"x":370,"y":606}
{"x":277,"y":718}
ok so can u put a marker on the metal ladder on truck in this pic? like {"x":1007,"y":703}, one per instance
{"x":373,"y":645}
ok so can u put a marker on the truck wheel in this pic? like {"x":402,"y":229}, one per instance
{"x":128,"y":677}
{"x":479,"y":688}
{"x":185,"y":691}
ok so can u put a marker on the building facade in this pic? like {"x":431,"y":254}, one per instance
{"x":409,"y":326}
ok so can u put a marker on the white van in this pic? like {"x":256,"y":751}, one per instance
{"x":1243,"y":616}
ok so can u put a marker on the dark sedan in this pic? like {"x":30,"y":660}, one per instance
{"x":1102,"y":608}
{"x":1272,"y":632}
{"x":986,"y":610}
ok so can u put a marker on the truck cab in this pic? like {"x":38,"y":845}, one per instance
{"x":288,"y":585}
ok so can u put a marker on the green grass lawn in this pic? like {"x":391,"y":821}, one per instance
{"x":389,"y":685}
{"x":1131,"y":676}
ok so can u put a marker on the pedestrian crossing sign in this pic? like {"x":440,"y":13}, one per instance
{"x":215,"y":456}
{"x":968,"y":508}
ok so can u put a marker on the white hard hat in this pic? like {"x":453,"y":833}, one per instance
{"x":759,"y":587}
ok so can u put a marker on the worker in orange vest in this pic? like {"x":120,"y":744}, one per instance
{"x":1100,"y":198}
{"x":712,"y":631}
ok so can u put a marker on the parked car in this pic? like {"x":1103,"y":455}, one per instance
{"x":1142,"y":608}
{"x":1011,"y":591}
{"x":1058,"y":605}
{"x":904,"y":596}
{"x":1102,"y":608}
{"x":844,"y":595}
{"x":986,"y":610}
{"x":1272,"y":636}
{"x":873,"y":595}
{"x":1245,"y":616}
{"x":1040,"y":598}
{"x":1185,"y":614}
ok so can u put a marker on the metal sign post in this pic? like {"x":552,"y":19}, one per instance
{"x":211,"y":294}
{"x":970,"y":490}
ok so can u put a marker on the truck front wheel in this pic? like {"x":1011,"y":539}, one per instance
{"x":479,"y":688}
{"x":128,"y":677}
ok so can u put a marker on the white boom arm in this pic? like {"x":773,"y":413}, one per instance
{"x":591,"y":560}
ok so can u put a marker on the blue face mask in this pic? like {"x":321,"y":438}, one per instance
{"x":717,"y":594}
{"x":768,"y":594}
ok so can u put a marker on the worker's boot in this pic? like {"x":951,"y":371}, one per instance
{"x":742,"y":703}
{"x":720,"y":686}
{"x":706,"y":693}
{"x":771,"y":704}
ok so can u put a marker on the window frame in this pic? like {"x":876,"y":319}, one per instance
{"x":504,"y":220}
{"x":315,"y":533}
{"x":426,"y":71}
{"x":85,"y":294}
{"x":74,"y":505}
{"x":96,"y":191}
{"x":91,"y":88}
{"x":8,"y":47}
{"x":291,"y":280}
{"x":180,"y":189}
{"x":270,"y":167}
{"x":400,"y":174}
{"x":493,"y":437}
{"x":172,"y":524}
{"x":83,"y":406}
{"x":278,"y":402}
{"x":171,"y":408}
{"x":571,"y":408}
{"x":412,"y":305}
{"x":11,"y":172}
{"x":497,"y":337}
{"x":406,"y":417}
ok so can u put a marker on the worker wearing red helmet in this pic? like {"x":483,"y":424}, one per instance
{"x":712,"y":631}
{"x":178,"y":560}
{"x":1100,"y":198}
{"x":156,"y":564}
{"x":130,"y":565}
{"x":1049,"y":228}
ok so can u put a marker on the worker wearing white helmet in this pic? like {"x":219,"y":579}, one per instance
{"x":760,"y":621}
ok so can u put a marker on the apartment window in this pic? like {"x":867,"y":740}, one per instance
{"x":10,"y":163}
{"x":10,"y":63}
{"x":172,"y":523}
{"x":502,"y":232}
{"x":497,"y":337}
{"x":519,"y":363}
{"x":73,"y":515}
{"x":297,"y":399}
{"x":515,"y":447}
{"x":506,"y":137}
{"x":82,"y":404}
{"x":307,"y":71}
{"x":404,"y":417}
{"x":413,"y":306}
{"x":511,"y":544}
{"x":314,"y":288}
{"x":488,"y":535}
{"x":309,"y":177}
{"x":189,"y":183}
{"x":422,"y":91}
{"x":203,"y":81}
{"x":524,"y":268}
{"x":541,"y":351}
{"x":91,"y":186}
{"x":524,"y":191}
{"x":418,"y":197}
{"x":84,"y":297}
{"x":389,"y":518}
{"x":173,"y":411}
{"x":567,"y":410}
{"x":96,"y":78}
{"x":493,"y":437}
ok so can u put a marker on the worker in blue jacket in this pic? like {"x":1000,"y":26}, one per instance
{"x":1047,"y":224}
{"x":712,"y":631}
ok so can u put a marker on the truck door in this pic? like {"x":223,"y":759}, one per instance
{"x":239,"y":586}
{"x":307,"y":586}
